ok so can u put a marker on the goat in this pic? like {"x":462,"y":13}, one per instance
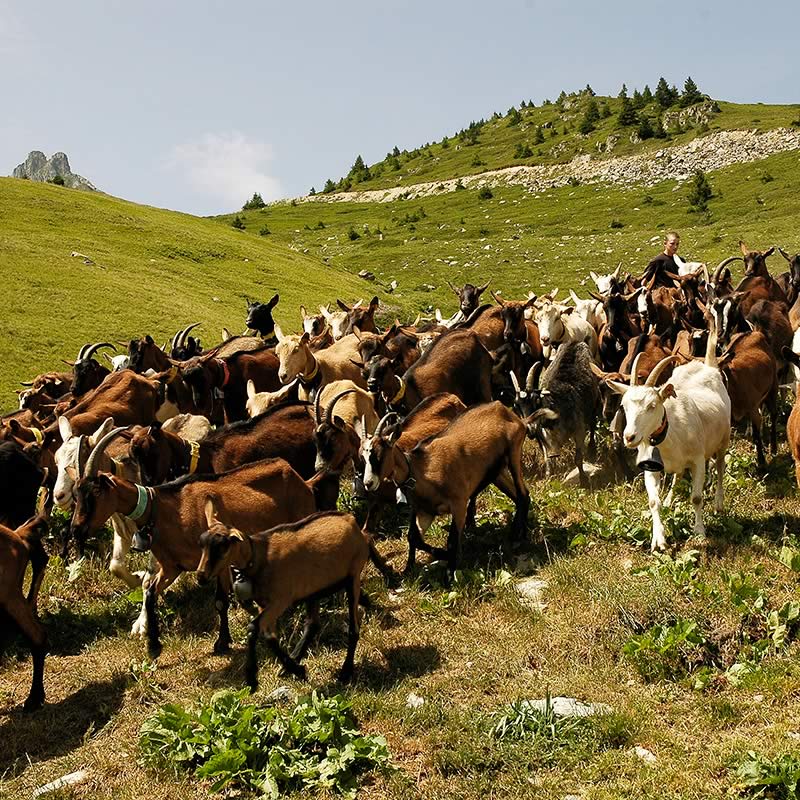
{"x":679,"y":426}
{"x":312,"y":325}
{"x":606,"y":283}
{"x":564,"y":408}
{"x":18,"y":547}
{"x":20,"y":477}
{"x":591,"y":310}
{"x":259,"y":317}
{"x":482,"y":446}
{"x":211,"y":375}
{"x":757,"y":281}
{"x":618,"y":330}
{"x":456,"y":363}
{"x":183,"y":347}
{"x":397,"y":343}
{"x":87,"y":373}
{"x":315,"y":370}
{"x":171,"y":517}
{"x":287,"y":564}
{"x":751,"y":378}
{"x":358,"y":316}
{"x":558,"y":325}
{"x":469,"y":296}
{"x":793,"y":424}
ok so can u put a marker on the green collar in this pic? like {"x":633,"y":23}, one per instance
{"x":141,"y":503}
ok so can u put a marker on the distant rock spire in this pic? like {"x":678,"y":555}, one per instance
{"x":37,"y":167}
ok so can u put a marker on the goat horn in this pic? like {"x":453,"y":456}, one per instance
{"x":92,"y":462}
{"x":634,"y":369}
{"x":82,"y":351}
{"x":88,"y":352}
{"x":532,"y":380}
{"x":316,"y":408}
{"x":185,"y":333}
{"x":482,"y":289}
{"x":329,"y":408}
{"x":515,"y":382}
{"x":452,"y":287}
{"x":784,"y":254}
{"x":383,"y":421}
{"x":658,"y":369}
{"x":723,"y":264}
{"x":173,"y":345}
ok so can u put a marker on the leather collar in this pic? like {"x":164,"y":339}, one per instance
{"x":660,"y":433}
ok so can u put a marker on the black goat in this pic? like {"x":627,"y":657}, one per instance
{"x":565,"y":406}
{"x":20,"y":478}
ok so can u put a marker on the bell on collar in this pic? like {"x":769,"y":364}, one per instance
{"x":650,"y":460}
{"x":141,"y":542}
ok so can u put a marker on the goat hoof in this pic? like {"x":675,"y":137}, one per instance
{"x":299,"y":672}
{"x":345,"y":674}
{"x":154,"y":650}
{"x":34,"y":702}
{"x":222,"y":648}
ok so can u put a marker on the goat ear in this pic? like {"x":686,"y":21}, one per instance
{"x":553,"y":294}
{"x":574,"y":297}
{"x":210,"y":509}
{"x":438,"y":315}
{"x":531,"y":301}
{"x":106,"y":426}
{"x":360,"y":427}
{"x":251,"y":389}
{"x":744,"y":248}
{"x":64,"y":428}
{"x":338,"y":422}
{"x":566,"y":309}
{"x":616,"y":386}
{"x":374,"y":303}
{"x":14,"y":425}
{"x":304,"y":338}
{"x":303,"y":312}
{"x":273,"y":302}
{"x":594,"y":296}
{"x":668,"y":390}
{"x":790,"y":355}
{"x":278,"y":333}
{"x":342,"y":305}
{"x":357,"y":363}
{"x":325,"y":313}
{"x":594,"y":276}
{"x":769,"y":252}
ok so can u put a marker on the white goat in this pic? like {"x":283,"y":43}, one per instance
{"x":591,"y":310}
{"x":450,"y":321}
{"x":559,"y":325}
{"x":337,"y":320}
{"x":688,"y":420}
{"x":118,"y":362}
{"x":688,"y":267}
{"x":605,"y":283}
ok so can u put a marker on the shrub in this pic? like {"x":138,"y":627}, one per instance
{"x":645,"y":129}
{"x":666,"y":651}
{"x":255,"y":202}
{"x":700,"y":191}
{"x":58,"y":180}
{"x":316,"y":746}
{"x":312,"y":192}
{"x":522,"y":151}
{"x":777,"y":777}
{"x":514,"y":117}
{"x":460,"y":186}
{"x":615,"y":223}
{"x":476,"y":161}
{"x":353,"y":234}
{"x":238,"y":223}
{"x":265,"y":231}
{"x":538,"y":137}
{"x":485,"y":193}
{"x":573,"y":181}
{"x":329,"y":187}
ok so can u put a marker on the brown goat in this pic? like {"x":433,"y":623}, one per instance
{"x":18,"y":547}
{"x":171,"y":518}
{"x":480,"y":447}
{"x":793,"y":424}
{"x":301,"y":561}
{"x":751,"y":377}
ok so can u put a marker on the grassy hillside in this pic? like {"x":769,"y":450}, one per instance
{"x":154,"y":271}
{"x":550,"y":134}
{"x":532,"y":242}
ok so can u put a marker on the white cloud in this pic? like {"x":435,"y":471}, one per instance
{"x":227,"y":167}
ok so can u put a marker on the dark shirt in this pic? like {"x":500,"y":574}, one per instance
{"x":660,"y":266}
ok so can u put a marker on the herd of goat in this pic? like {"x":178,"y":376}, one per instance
{"x":227,"y":461}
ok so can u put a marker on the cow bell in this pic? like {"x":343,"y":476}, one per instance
{"x":650,"y":460}
{"x":141,"y":542}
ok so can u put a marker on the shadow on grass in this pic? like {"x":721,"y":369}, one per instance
{"x":59,"y":727}
{"x":401,"y":662}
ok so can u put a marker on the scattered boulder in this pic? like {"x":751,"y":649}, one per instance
{"x":531,"y":592}
{"x":366,"y":275}
{"x":568,"y":707}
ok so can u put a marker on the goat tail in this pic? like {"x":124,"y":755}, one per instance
{"x":711,"y":348}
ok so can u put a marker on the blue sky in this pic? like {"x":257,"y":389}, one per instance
{"x":196,"y":105}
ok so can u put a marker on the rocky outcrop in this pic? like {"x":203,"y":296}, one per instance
{"x":37,"y":167}
{"x":711,"y":152}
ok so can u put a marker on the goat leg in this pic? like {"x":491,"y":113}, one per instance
{"x":161,"y":581}
{"x":222,"y":603}
{"x":353,"y":591}
{"x":19,"y":610}
{"x":755,"y":420}
{"x":38,"y":558}
{"x":584,"y":481}
{"x":309,"y":631}
{"x":698,"y":480}
{"x":251,"y":658}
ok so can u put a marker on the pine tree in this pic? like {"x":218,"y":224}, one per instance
{"x":674,"y":94}
{"x":636,"y":100}
{"x":623,"y":93}
{"x":396,"y":152}
{"x":700,"y":191}
{"x":605,"y":111}
{"x":647,"y":95}
{"x":514,"y":117}
{"x":658,"y":129}
{"x":663,"y":95}
{"x":588,"y":90}
{"x":254,"y":202}
{"x":691,"y":94}
{"x":627,"y":113}
{"x":539,"y":137}
{"x":330,"y":186}
{"x":645,"y":129}
{"x":312,"y":192}
{"x":590,"y":116}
